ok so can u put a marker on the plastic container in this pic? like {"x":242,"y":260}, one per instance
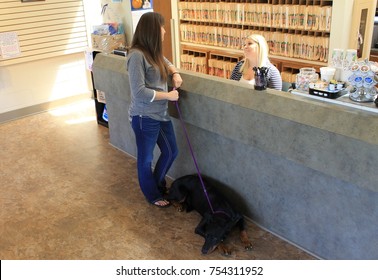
{"x":327,"y":73}
{"x":305,"y":77}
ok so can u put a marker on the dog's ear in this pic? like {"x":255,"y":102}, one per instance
{"x":177,"y":192}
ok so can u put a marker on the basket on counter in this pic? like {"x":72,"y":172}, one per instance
{"x":108,"y":43}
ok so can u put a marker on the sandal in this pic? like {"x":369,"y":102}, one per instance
{"x":161,"y":203}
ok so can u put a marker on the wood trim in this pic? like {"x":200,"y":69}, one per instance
{"x":165,"y":9}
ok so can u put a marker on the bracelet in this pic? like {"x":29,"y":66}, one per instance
{"x":175,"y":73}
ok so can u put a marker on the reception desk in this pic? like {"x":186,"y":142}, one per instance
{"x":304,"y":169}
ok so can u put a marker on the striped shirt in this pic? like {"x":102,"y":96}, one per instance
{"x":273,"y":76}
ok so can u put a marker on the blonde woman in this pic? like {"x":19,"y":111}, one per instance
{"x":256,"y":55}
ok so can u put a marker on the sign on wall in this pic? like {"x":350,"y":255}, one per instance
{"x":9,"y":46}
{"x":141,"y":4}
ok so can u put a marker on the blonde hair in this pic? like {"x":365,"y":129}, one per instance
{"x":262,"y":53}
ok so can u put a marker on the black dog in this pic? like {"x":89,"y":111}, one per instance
{"x":218,"y":216}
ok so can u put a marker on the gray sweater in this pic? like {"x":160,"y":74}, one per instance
{"x":144,"y":79}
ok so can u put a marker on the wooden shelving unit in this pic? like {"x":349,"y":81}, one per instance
{"x":297,"y":32}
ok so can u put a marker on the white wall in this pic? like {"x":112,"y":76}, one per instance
{"x":27,"y":84}
{"x":342,"y":11}
{"x":119,"y":12}
{"x":47,"y":80}
{"x":43,"y":81}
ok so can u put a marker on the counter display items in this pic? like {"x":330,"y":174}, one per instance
{"x":345,"y":76}
{"x":109,"y":35}
{"x":363,"y":80}
{"x":305,"y":78}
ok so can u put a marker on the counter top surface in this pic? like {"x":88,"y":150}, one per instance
{"x":343,"y":100}
{"x":318,"y":113}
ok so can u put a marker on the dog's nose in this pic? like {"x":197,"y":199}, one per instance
{"x":211,"y":243}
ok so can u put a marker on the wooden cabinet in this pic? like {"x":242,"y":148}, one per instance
{"x":165,"y":8}
{"x":373,"y":55}
{"x":212,"y":33}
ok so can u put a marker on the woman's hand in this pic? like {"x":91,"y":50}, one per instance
{"x":173,"y":95}
{"x":170,"y":95}
{"x":176,"y":80}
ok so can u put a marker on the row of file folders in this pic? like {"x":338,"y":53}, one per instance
{"x":304,"y":17}
{"x":222,"y":67}
{"x":309,"y":47}
{"x":215,"y":67}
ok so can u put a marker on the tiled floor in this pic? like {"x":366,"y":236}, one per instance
{"x":66,"y":193}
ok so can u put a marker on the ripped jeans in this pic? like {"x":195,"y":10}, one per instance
{"x":148,"y":133}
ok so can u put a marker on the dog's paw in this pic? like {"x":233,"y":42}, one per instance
{"x":248,"y":247}
{"x":179,"y":207}
{"x":245,"y":240}
{"x":224,"y":250}
{"x":227,"y":253}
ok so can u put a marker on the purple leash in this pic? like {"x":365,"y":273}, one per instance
{"x":194,"y":158}
{"x":195,"y":161}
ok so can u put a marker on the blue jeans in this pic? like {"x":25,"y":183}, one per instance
{"x":148,"y":133}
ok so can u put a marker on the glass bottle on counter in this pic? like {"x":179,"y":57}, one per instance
{"x":305,"y":77}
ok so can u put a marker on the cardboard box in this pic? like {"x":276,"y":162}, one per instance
{"x":107,"y":43}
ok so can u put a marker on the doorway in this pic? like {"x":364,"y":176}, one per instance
{"x":362,"y":27}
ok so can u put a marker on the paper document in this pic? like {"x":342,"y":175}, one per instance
{"x":9,"y":46}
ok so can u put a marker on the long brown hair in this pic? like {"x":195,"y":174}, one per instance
{"x":148,"y":39}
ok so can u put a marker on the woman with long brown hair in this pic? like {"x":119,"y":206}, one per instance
{"x":149,"y":72}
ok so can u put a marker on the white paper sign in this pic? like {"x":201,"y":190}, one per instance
{"x":9,"y":46}
{"x":88,"y":59}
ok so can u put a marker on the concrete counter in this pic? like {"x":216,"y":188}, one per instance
{"x":303,"y":169}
